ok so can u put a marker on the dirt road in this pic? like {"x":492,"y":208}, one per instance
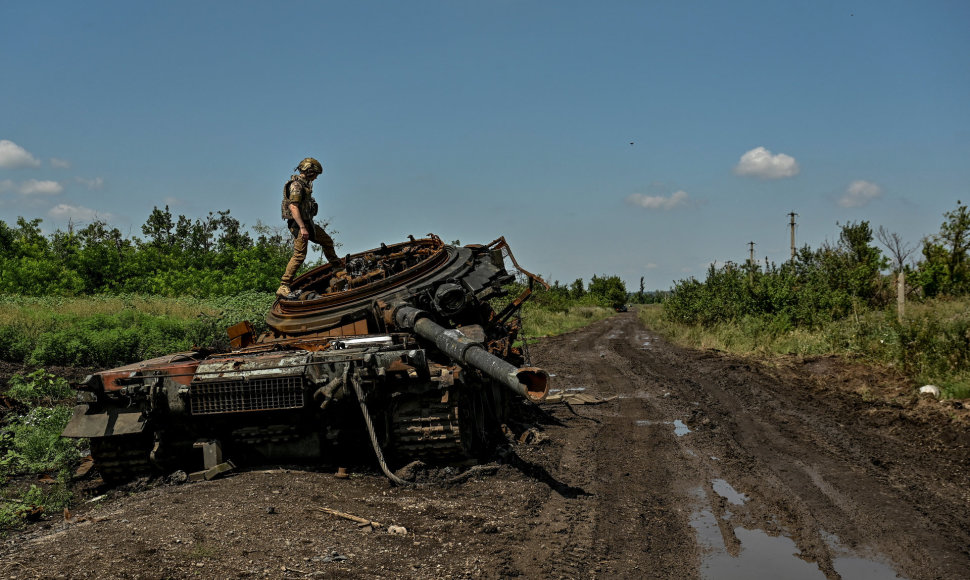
{"x":694,"y":465}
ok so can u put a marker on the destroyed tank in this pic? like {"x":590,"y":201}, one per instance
{"x":396,"y":354}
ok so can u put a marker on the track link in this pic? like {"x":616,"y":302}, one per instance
{"x":428,"y":429}
{"x":122,"y":458}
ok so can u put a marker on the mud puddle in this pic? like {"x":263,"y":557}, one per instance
{"x":732,"y":552}
{"x":680,"y":428}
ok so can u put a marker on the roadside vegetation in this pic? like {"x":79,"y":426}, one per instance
{"x":560,"y":308}
{"x":840,"y":298}
{"x":92,"y":297}
{"x":35,"y":461}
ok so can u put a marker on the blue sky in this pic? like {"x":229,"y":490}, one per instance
{"x":631,"y":138}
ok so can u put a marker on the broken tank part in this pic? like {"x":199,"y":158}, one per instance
{"x":396,"y":356}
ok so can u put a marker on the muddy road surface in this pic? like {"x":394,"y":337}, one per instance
{"x":675,"y":464}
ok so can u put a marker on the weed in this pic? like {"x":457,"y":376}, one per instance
{"x":931,"y":345}
{"x":201,"y":551}
{"x":34,"y":443}
{"x":39,"y":388}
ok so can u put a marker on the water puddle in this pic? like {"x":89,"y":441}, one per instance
{"x":725,"y":490}
{"x":761,"y":555}
{"x":680,"y":429}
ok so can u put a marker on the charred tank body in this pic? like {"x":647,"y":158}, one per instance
{"x":397,"y":354}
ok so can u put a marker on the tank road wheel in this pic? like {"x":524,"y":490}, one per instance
{"x":122,"y":458}
{"x":426,"y":427}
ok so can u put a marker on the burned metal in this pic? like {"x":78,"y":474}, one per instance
{"x":399,"y":351}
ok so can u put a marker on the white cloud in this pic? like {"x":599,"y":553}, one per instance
{"x":60,"y":163}
{"x":96,"y":183}
{"x":658,"y":201}
{"x":33,"y":186}
{"x":63,"y":211}
{"x":13,"y":156}
{"x":859,"y":193}
{"x":761,"y":163}
{"x":651,"y":266}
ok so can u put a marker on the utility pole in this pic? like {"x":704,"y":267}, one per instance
{"x":792,"y":224}
{"x":751,"y":263}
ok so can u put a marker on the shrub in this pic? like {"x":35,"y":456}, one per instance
{"x":35,"y":444}
{"x":39,"y":388}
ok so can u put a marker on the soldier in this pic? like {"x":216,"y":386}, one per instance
{"x":299,"y":209}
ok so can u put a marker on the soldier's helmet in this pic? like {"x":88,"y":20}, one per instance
{"x":310,"y":165}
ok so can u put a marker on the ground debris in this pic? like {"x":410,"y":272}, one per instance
{"x":350,"y":517}
{"x":577,"y":399}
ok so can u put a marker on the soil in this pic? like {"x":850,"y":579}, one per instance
{"x":680,"y":464}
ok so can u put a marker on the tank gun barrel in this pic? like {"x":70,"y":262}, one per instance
{"x":530,"y":382}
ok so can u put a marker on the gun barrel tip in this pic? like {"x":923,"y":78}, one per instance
{"x":535,"y":381}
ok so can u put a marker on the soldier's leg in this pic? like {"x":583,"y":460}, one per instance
{"x":326,"y":242}
{"x":299,"y":256}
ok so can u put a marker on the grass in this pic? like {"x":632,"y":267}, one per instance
{"x":114,"y":330}
{"x":931,"y":344}
{"x":29,"y":311}
{"x":538,"y":321}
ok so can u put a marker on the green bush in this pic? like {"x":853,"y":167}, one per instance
{"x":16,"y":504}
{"x":39,"y":388}
{"x":35,"y":444}
{"x":31,"y":444}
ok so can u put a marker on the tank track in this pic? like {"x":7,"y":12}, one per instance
{"x":122,"y":458}
{"x":428,"y":429}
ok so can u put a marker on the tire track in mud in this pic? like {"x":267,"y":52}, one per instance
{"x":630,"y":524}
{"x":809,"y":464}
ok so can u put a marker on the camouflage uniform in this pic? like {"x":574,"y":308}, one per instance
{"x":299,"y":190}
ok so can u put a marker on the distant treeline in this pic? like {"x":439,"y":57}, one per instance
{"x":608,"y":291}
{"x":831,"y":282}
{"x":213,"y":256}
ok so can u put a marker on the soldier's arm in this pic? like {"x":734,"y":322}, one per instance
{"x":296,"y":193}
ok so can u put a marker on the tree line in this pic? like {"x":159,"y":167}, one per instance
{"x":830,"y":282}
{"x":213,"y":256}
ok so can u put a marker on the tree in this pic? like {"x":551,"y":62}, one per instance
{"x":955,"y":237}
{"x":944,"y":268}
{"x":863,"y":261}
{"x":898,"y":250}
{"x":576,"y":290}
{"x":611,"y":288}
{"x":158,"y":228}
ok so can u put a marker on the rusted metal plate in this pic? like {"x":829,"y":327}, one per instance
{"x":241,"y":335}
{"x":104,"y":424}
{"x":248,"y":368}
